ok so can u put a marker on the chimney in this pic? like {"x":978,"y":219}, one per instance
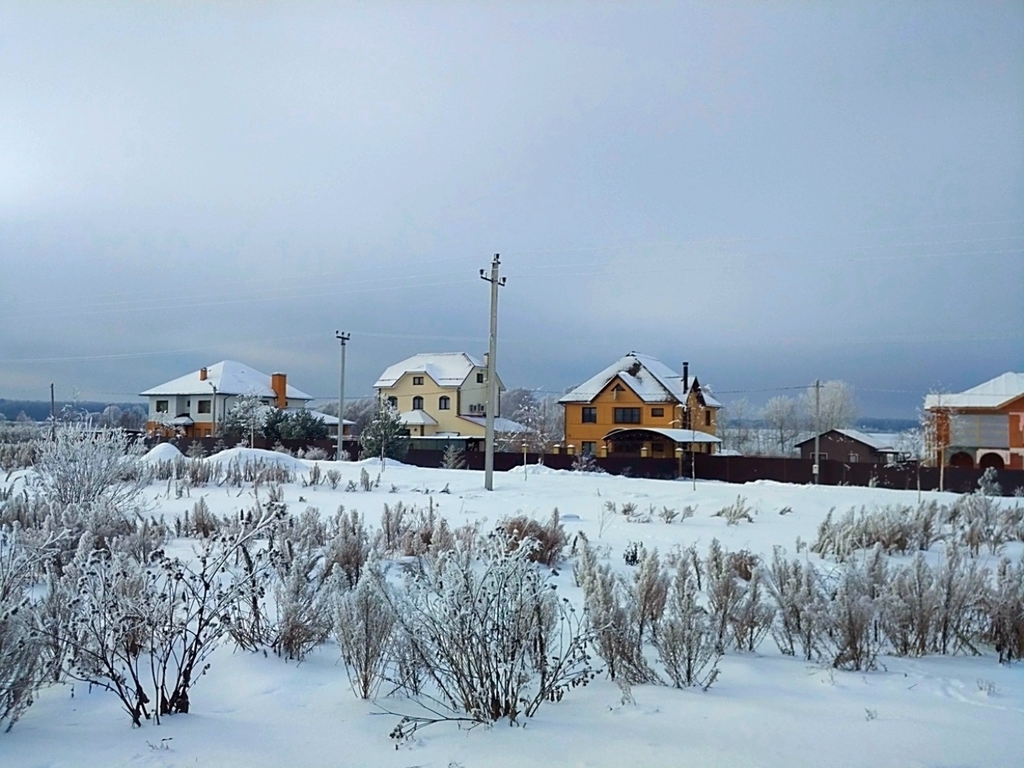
{"x":279,"y":383}
{"x":202,"y":373}
{"x":686,"y":377}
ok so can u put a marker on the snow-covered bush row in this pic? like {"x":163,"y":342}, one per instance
{"x":681,"y":616}
{"x":973,"y":521}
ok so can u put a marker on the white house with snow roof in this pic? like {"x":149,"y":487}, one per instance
{"x":640,"y":406}
{"x":980,"y":427}
{"x":441,"y":394}
{"x":195,"y":403}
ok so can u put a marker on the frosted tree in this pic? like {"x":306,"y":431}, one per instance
{"x":780,"y":416}
{"x":384,"y":435}
{"x":248,"y":416}
{"x":838,"y":406}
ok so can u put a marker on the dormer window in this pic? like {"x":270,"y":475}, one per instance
{"x":417,"y":381}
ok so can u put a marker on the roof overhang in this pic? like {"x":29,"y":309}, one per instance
{"x":675,"y":435}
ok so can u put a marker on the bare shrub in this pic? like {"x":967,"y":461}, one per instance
{"x":453,"y":458}
{"x":348,"y":546}
{"x":852,"y":626}
{"x":1006,"y":612}
{"x":333,"y":478}
{"x":364,"y":480}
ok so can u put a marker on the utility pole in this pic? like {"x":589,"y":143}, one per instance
{"x":492,"y":376}
{"x":343,"y":338}
{"x":816,"y":467}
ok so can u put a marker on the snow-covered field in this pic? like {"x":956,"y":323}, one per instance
{"x":766,"y":709}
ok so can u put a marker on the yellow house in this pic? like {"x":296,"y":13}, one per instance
{"x":640,"y":406}
{"x":441,"y":394}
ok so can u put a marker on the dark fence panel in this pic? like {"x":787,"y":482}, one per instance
{"x":730,"y":469}
{"x":746,"y":469}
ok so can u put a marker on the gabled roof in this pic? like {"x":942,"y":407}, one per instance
{"x":992,"y":394}
{"x":447,"y":369}
{"x":648,"y":377}
{"x":417,"y":418}
{"x":501,"y":424}
{"x":883,"y":443}
{"x":229,"y":377}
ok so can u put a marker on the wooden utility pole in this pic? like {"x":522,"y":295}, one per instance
{"x":492,"y":376}
{"x":343,"y":338}
{"x":816,"y":467}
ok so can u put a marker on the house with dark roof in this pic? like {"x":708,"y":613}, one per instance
{"x":640,"y":406}
{"x":853,"y":446}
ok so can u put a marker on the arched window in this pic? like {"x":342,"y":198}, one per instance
{"x":445,"y":403}
{"x":417,"y":403}
{"x":393,"y":402}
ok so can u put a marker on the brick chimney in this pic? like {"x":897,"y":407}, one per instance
{"x":279,"y":383}
{"x":202,"y":373}
{"x":686,"y":378}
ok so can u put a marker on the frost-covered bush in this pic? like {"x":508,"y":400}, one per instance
{"x":145,"y":631}
{"x":453,"y":458}
{"x":549,"y":538}
{"x":736,"y":512}
{"x":684,"y":637}
{"x":852,"y":620}
{"x":21,"y":652}
{"x":493,"y":637}
{"x":800,"y":606}
{"x":364,"y":624}
{"x":1006,"y":612}
{"x":611,"y":608}
{"x":83,"y":466}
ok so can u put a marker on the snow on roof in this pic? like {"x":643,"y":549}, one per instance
{"x":447,"y":369}
{"x":501,"y":424}
{"x":675,"y":435}
{"x":229,"y":377}
{"x":326,"y":418}
{"x":991,"y":394}
{"x":878,"y":441}
{"x":417,"y":418}
{"x":648,"y":377}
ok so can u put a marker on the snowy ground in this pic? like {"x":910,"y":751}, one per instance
{"x":765,"y":710}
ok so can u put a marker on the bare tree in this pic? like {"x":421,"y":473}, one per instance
{"x":780,"y":415}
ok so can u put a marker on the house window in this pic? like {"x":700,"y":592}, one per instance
{"x":203,"y":406}
{"x":393,"y":402}
{"x":417,"y":403}
{"x":656,"y":412}
{"x":615,"y":391}
{"x":188,"y":403}
{"x":589,"y":415}
{"x":853,"y":458}
{"x":589,"y":448}
{"x":445,"y":403}
{"x":479,"y":378}
{"x":820,"y":457}
{"x":162,"y":406}
{"x":627,"y":415}
{"x":417,"y":381}
{"x":707,"y":418}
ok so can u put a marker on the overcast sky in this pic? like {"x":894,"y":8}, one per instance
{"x":772,"y":191}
